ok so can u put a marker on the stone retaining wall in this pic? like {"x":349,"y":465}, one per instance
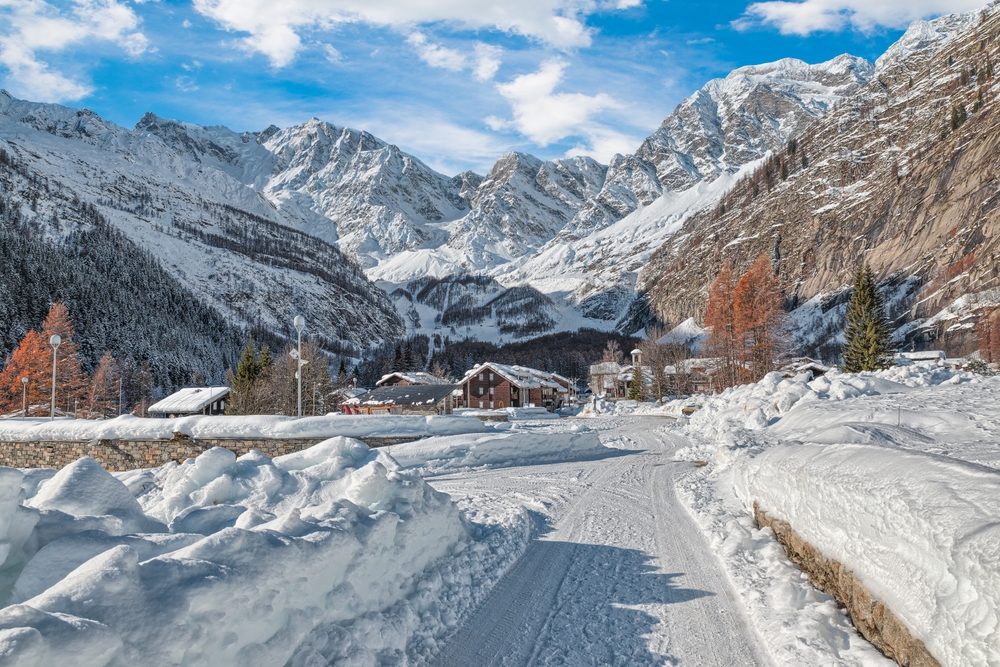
{"x":121,"y":455}
{"x":871,"y":617}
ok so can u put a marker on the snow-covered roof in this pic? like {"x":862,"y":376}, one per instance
{"x":188,"y":400}
{"x":926,"y":355}
{"x":414,"y":378}
{"x":522,"y":376}
{"x":636,"y":351}
{"x":411,"y":395}
{"x":607,"y":368}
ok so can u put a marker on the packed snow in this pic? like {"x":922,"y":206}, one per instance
{"x":344,"y":555}
{"x":336,"y":554}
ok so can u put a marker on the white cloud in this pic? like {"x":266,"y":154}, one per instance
{"x":701,"y":40}
{"x":442,"y":144}
{"x":332,"y":55}
{"x":186,"y":84}
{"x":273,"y":27}
{"x":33,"y":26}
{"x":186,"y":23}
{"x":545,"y":116}
{"x":603,"y":143}
{"x":487,"y":61}
{"x":809,"y":16}
{"x":437,"y":55}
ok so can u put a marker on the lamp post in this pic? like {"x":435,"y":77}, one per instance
{"x":300,"y":324}
{"x":24,"y":400}
{"x":54,"y":342}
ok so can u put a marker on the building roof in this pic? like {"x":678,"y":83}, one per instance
{"x":415,"y":378}
{"x":522,"y":377}
{"x":413,"y":395}
{"x":188,"y":400}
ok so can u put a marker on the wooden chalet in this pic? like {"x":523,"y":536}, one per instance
{"x":410,"y":380}
{"x":493,"y":386}
{"x":191,"y":401}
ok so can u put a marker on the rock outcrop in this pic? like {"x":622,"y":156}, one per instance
{"x":871,"y":617}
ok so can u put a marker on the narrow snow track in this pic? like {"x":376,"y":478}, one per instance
{"x":622,"y":577}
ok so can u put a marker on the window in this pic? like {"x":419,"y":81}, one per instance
{"x":491,"y":391}
{"x":480,"y":404}
{"x":491,"y":377}
{"x":480,"y":391}
{"x":491,"y":405}
{"x":480,"y":377}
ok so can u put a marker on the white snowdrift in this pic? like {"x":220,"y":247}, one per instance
{"x":128,"y":427}
{"x":259,"y":554}
{"x":922,"y":532}
{"x":511,"y":447}
{"x":885,"y":515}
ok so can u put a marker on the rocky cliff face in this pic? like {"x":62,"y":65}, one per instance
{"x":685,"y":165}
{"x":903,"y":175}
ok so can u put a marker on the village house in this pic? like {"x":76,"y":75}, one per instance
{"x":611,"y":380}
{"x":493,"y":386}
{"x":410,"y":380}
{"x":191,"y":401}
{"x":403,"y":400}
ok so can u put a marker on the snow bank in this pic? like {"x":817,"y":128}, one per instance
{"x":885,"y":515}
{"x":250,"y":559}
{"x":921,"y":532}
{"x":510,"y":447}
{"x":128,"y":427}
{"x":605,"y":408}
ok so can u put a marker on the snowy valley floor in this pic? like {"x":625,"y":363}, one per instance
{"x":622,"y":539}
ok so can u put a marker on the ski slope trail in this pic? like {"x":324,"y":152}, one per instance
{"x":618,"y":575}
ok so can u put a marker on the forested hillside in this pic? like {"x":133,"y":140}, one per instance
{"x":119,"y":297}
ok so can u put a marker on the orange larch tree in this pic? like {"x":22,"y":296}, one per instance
{"x":723,"y":343}
{"x":759,"y":318}
{"x":102,"y":400}
{"x":71,"y":382}
{"x":33,"y":360}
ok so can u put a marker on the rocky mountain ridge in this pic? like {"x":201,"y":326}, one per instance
{"x":903,"y":176}
{"x":222,"y":241}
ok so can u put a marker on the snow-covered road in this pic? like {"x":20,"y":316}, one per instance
{"x":618,"y":574}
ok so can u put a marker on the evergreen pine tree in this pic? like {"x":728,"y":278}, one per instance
{"x":635,"y":389}
{"x":250,"y":368}
{"x":869,"y":337}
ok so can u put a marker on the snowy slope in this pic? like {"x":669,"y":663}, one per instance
{"x":222,"y":240}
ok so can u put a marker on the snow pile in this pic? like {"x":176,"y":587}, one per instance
{"x":237,"y":561}
{"x":128,"y":427}
{"x":600,"y":407}
{"x":514,"y":446}
{"x":724,"y":419}
{"x":920,"y":531}
{"x":914,"y":526}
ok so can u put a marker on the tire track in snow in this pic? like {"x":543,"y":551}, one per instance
{"x":625,"y":578}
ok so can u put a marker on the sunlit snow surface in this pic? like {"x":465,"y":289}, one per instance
{"x":344,"y":555}
{"x":894,"y":474}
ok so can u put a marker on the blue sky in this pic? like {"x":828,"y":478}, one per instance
{"x":454,"y":82}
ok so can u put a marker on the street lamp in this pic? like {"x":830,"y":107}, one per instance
{"x":54,"y":342}
{"x":24,"y":401}
{"x":300,"y":324}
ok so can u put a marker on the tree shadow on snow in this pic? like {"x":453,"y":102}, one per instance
{"x":578,"y":604}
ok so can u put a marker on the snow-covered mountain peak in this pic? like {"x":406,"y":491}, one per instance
{"x":930,"y":36}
